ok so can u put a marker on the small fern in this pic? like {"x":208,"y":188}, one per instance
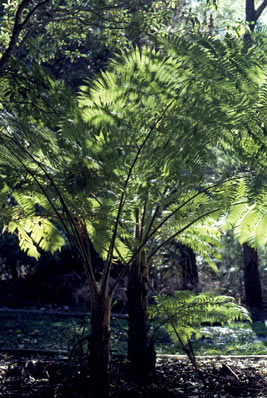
{"x":185,"y":312}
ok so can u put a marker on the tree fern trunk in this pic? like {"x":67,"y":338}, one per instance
{"x":141,"y":352}
{"x":99,"y":355}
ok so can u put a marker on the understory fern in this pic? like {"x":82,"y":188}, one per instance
{"x":184,"y":314}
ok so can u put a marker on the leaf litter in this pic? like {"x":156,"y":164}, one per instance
{"x":45,"y":377}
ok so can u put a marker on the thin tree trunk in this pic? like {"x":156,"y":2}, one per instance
{"x":253,"y":14}
{"x":99,"y":354}
{"x":141,"y":351}
{"x":250,"y":14}
{"x":252,"y":278}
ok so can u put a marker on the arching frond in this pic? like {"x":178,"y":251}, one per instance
{"x":186,"y":312}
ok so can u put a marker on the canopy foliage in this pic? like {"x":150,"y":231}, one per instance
{"x":134,"y":151}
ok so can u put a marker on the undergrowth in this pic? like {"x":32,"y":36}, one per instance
{"x":46,"y":332}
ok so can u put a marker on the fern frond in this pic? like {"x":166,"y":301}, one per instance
{"x":34,"y":233}
{"x":186,"y":312}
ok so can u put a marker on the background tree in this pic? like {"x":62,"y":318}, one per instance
{"x":253,"y":290}
{"x":58,"y":34}
{"x":224,"y":16}
{"x":253,"y":13}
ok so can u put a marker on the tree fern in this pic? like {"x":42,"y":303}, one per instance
{"x":186,"y":312}
{"x":175,"y":93}
{"x":127,"y":170}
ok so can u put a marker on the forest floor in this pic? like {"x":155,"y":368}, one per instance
{"x":34,"y":349}
{"x":46,"y":377}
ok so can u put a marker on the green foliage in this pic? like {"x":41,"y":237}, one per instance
{"x":74,"y":36}
{"x":185,"y":312}
{"x":34,"y":233}
{"x":247,"y":215}
{"x":142,"y":139}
